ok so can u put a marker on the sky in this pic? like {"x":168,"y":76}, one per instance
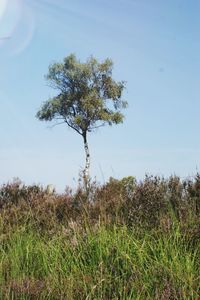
{"x":155,"y":47}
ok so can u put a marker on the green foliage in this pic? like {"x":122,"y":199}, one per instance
{"x":130,"y":240}
{"x":88,"y":96}
{"x":100,"y":263}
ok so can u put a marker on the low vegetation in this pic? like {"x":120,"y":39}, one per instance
{"x":121,"y":240}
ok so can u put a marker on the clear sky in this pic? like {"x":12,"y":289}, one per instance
{"x":155,"y":47}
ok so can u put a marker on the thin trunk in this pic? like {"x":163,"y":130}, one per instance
{"x":87,"y":162}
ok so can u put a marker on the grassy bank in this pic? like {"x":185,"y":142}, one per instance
{"x":128,"y":241}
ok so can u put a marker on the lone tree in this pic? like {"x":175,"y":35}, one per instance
{"x":88,"y":97}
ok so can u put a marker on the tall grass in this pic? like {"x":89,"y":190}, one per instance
{"x":105,"y":263}
{"x":65,"y":247}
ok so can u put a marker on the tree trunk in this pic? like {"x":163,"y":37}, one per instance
{"x":87,"y":162}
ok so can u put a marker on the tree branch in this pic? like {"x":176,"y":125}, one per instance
{"x":72,"y":127}
{"x":50,"y":127}
{"x":96,"y":127}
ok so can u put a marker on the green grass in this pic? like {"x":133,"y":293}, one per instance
{"x":131,"y":240}
{"x":102,"y":262}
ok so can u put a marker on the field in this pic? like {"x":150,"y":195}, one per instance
{"x":121,"y":240}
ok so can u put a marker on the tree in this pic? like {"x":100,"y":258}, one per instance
{"x":88,"y":97}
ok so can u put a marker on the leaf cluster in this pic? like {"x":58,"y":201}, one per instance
{"x":88,"y":96}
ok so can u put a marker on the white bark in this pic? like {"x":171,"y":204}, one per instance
{"x":87,"y":161}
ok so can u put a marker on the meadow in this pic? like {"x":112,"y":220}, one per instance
{"x":125,"y":239}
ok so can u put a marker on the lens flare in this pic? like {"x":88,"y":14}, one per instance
{"x":17,"y":25}
{"x":10,"y":13}
{"x":25,"y":32}
{"x":3,"y":5}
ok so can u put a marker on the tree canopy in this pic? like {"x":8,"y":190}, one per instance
{"x":88,"y":97}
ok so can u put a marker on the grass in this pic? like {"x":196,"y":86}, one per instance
{"x":102,"y":263}
{"x":129,"y":241}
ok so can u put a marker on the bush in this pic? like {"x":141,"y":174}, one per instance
{"x":152,"y":203}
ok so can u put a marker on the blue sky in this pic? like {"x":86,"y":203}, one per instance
{"x":155,"y":47}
